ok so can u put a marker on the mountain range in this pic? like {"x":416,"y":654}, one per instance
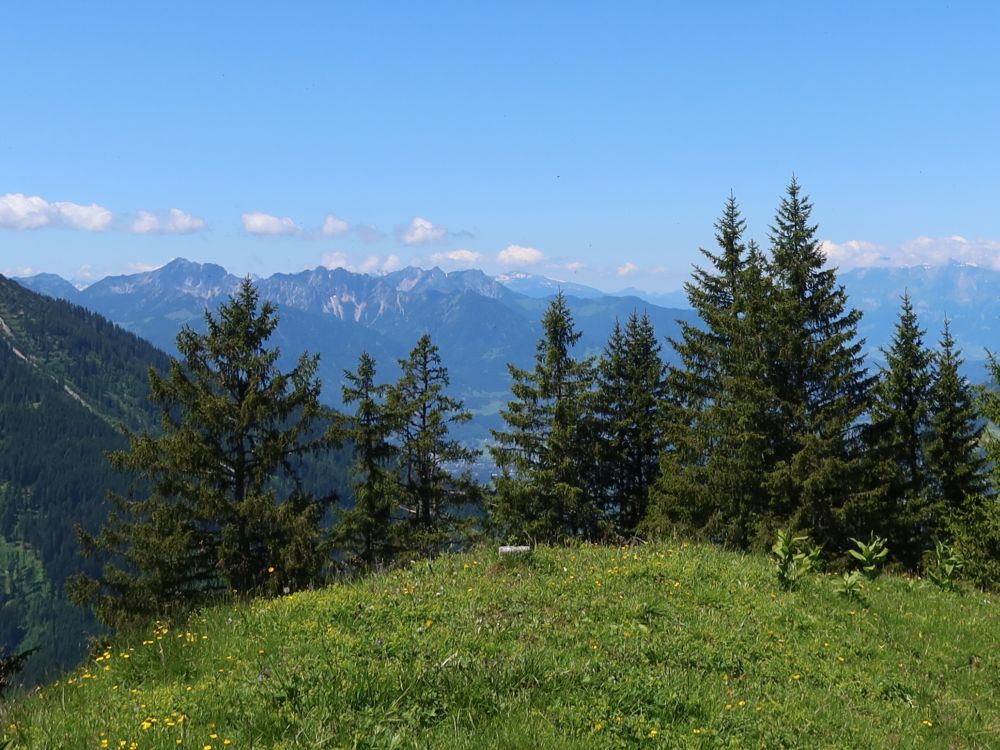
{"x":479,"y":323}
{"x":968,"y":296}
{"x":483,"y":322}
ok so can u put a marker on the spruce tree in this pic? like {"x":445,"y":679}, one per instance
{"x":718,"y":408}
{"x":218,"y":505}
{"x":364,"y":532}
{"x":745,"y":418}
{"x":424,"y":414}
{"x":956,"y":467}
{"x":975,"y":528}
{"x":627,"y":401}
{"x":817,"y":376}
{"x":896,"y":438}
{"x":545,"y":456}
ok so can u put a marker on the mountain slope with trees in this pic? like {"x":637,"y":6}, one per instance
{"x":67,"y":378}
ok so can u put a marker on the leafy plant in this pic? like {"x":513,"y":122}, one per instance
{"x":948,"y":565}
{"x":852,"y":585}
{"x":870,"y":555}
{"x":793,"y":559}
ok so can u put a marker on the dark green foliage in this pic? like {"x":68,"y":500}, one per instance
{"x":817,"y":376}
{"x":719,"y":417}
{"x":544,"y":457}
{"x":896,"y":440}
{"x":956,"y":466}
{"x":363,"y":531}
{"x":67,"y":376}
{"x":423,"y":414}
{"x":225,"y":510}
{"x":10,"y":666}
{"x":626,"y":405}
{"x":975,"y":525}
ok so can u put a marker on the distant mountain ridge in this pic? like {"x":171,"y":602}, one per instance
{"x":969,"y":296}
{"x":479,"y":323}
{"x":483,"y":322}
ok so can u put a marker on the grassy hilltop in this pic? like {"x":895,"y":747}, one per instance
{"x":590,"y":647}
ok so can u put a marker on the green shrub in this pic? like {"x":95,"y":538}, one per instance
{"x":871,"y":555}
{"x":793,"y":559}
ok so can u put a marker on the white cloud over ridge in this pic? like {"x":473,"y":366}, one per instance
{"x":920,"y":251}
{"x":627,"y":268}
{"x":420,"y":231}
{"x":456,"y":257}
{"x":370,"y":264}
{"x":518,"y":255}
{"x":175,"y":222}
{"x":333,"y":226}
{"x":262,"y":224}
{"x":20,"y":212}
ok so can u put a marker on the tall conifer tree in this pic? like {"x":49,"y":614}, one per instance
{"x":219,"y":505}
{"x":364,"y":530}
{"x":896,"y":439}
{"x":543,"y":455}
{"x":630,"y":391}
{"x":424,"y":414}
{"x":818,"y":377}
{"x":955,"y":463}
{"x":716,"y":415}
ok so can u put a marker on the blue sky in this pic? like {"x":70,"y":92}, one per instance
{"x":585,"y":141}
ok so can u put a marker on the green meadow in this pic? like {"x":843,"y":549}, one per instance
{"x":586,"y":647}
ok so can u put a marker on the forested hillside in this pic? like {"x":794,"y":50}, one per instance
{"x":67,"y":378}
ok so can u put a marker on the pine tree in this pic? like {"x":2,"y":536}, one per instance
{"x":218,"y":504}
{"x":716,"y":415}
{"x":895,"y":441}
{"x":364,"y":531}
{"x":630,"y":391}
{"x":543,"y":455}
{"x":975,"y":528}
{"x":818,"y":377}
{"x":424,"y":415}
{"x":955,"y":465}
{"x":745,"y":418}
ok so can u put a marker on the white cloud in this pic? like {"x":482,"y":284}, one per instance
{"x":335,"y":260}
{"x":87,"y":273}
{"x":517,"y":255}
{"x":175,"y":222}
{"x":575,"y":266}
{"x":627,"y":268}
{"x":332,"y":226}
{"x":920,"y":251}
{"x":456,"y":257}
{"x":92,"y":218}
{"x":420,"y":232}
{"x":370,"y":264}
{"x":19,"y":211}
{"x":266,"y":224}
